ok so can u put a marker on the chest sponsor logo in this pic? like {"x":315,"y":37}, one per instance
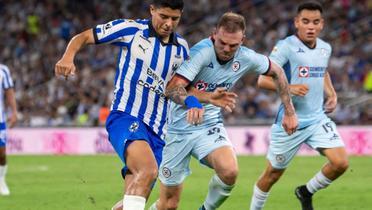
{"x":311,"y":71}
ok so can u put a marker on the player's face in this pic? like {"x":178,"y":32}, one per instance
{"x":309,"y":23}
{"x":165,"y":20}
{"x":226,"y":44}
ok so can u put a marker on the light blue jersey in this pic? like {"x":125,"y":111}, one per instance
{"x":303,"y":65}
{"x":206,"y":73}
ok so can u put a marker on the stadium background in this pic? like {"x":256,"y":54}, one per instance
{"x":34,"y":34}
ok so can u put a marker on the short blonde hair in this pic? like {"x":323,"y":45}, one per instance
{"x":232,"y":22}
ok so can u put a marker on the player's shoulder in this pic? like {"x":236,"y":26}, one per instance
{"x":181,"y":40}
{"x":323,"y":44}
{"x":204,"y":46}
{"x":4,"y":68}
{"x":246,"y":50}
{"x":287,"y":41}
{"x":137,"y":23}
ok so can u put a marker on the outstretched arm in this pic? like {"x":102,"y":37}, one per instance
{"x":290,"y":119}
{"x":331,"y":95}
{"x":65,"y":66}
{"x":266,"y":82}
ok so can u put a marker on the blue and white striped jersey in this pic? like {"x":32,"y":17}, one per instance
{"x":303,"y":65}
{"x":206,"y":73}
{"x":6,"y":83}
{"x":144,"y":67}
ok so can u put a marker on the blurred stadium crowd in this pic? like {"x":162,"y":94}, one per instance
{"x":36,"y":32}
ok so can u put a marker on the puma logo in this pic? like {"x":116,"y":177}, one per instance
{"x":143,"y":49}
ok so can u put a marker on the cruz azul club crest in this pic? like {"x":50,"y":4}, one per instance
{"x":303,"y":71}
{"x":236,"y":66}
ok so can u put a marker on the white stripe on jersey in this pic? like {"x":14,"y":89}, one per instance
{"x":6,"y":82}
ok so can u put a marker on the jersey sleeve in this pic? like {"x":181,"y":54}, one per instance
{"x":193,"y":64}
{"x":260,"y":63}
{"x":7,"y":81}
{"x":279,"y":53}
{"x":115,"y":32}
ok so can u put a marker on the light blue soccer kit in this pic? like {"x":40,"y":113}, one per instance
{"x":144,"y":67}
{"x":205,"y":73}
{"x":6,"y":82}
{"x":303,"y":65}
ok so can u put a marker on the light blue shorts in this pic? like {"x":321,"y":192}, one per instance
{"x":283,"y":148}
{"x":180,"y":146}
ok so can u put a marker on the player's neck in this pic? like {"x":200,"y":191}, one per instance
{"x":310,"y":44}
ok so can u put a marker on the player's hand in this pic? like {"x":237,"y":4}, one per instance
{"x":330,"y":104}
{"x":298,"y":89}
{"x":224,"y":99}
{"x":64,"y":68}
{"x":290,"y":123}
{"x":12,"y":120}
{"x":195,"y":116}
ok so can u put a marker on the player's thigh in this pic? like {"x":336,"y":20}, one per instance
{"x":283,"y":147}
{"x":223,"y":159}
{"x":337,"y":156}
{"x":174,"y":167}
{"x":139,"y":158}
{"x":325,"y":136}
{"x":209,"y":140}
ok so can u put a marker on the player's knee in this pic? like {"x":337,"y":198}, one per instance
{"x":172,"y":203}
{"x":273,"y":176}
{"x":229,"y":176}
{"x":341,"y":165}
{"x":149,"y":174}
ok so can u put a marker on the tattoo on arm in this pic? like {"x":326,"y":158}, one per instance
{"x":177,"y":94}
{"x":283,"y":89}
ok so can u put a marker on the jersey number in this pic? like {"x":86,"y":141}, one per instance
{"x":327,"y":126}
{"x":213,"y":131}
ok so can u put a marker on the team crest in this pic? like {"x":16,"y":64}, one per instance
{"x":280,"y":158}
{"x":166,"y":172}
{"x":236,"y":66}
{"x":201,"y":85}
{"x":303,"y":71}
{"x":134,"y":127}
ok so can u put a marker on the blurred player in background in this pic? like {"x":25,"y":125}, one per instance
{"x":7,"y":97}
{"x":150,"y":51}
{"x":215,"y":62}
{"x":304,"y":58}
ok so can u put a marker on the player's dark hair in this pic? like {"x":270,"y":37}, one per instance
{"x":173,"y":4}
{"x":310,"y":5}
{"x":232,"y":22}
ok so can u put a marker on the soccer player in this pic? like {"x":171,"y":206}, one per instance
{"x":7,"y":96}
{"x":305,"y":59}
{"x":218,"y":61}
{"x":150,"y":51}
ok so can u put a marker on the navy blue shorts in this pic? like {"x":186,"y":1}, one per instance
{"x":123,"y":129}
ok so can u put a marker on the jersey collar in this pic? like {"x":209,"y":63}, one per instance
{"x":311,"y":48}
